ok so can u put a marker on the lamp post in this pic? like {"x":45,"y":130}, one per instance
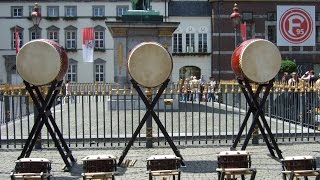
{"x":36,"y":18}
{"x":236,"y":20}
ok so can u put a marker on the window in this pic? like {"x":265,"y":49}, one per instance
{"x":317,"y":16}
{"x":99,"y":37}
{"x":70,"y":11}
{"x":70,"y":37}
{"x":53,"y":33}
{"x":247,"y":16}
{"x":72,"y":71}
{"x":203,"y":42}
{"x":318,"y":34}
{"x":272,"y":16}
{"x":31,"y":10}
{"x":122,"y":10}
{"x":99,"y":71}
{"x":177,"y":43}
{"x":189,"y":42}
{"x":98,"y":11}
{"x":71,"y":40}
{"x":35,"y":32}
{"x":272,"y":34}
{"x":53,"y":11}
{"x":16,"y":11}
{"x":250,"y":30}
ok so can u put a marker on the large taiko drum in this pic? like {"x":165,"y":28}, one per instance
{"x":42,"y":61}
{"x":257,"y":60}
{"x":149,"y":64}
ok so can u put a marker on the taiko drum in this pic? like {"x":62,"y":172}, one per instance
{"x":42,"y":61}
{"x":149,"y":64}
{"x":257,"y":60}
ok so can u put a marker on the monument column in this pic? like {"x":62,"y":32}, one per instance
{"x":135,"y":27}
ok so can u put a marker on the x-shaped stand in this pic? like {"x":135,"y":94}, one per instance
{"x":256,"y":107}
{"x":43,"y":106}
{"x":151,"y":112}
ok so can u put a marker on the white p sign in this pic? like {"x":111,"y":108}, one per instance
{"x":296,"y":26}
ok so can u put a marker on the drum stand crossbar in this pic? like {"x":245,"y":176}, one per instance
{"x":43,"y":106}
{"x":256,"y":108}
{"x":151,"y":112}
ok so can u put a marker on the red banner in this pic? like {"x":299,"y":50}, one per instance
{"x":243,"y":28}
{"x":87,"y":44}
{"x":17,"y":40}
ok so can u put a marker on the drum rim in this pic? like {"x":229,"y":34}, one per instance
{"x":158,"y":45}
{"x":251,"y":41}
{"x":39,"y":83}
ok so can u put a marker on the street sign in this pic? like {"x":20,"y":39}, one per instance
{"x":295,"y":26}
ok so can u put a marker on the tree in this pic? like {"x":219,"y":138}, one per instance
{"x":288,"y":65}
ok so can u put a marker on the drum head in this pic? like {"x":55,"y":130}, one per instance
{"x":150,"y":64}
{"x":38,"y":62}
{"x":260,"y":61}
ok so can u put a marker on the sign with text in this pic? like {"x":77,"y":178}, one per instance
{"x":296,"y":26}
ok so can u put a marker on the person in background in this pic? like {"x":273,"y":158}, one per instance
{"x":212,"y":89}
{"x":285,"y":78}
{"x":202,"y":82}
{"x":195,"y":83}
{"x":294,"y":80}
{"x":309,"y":77}
{"x":68,"y":92}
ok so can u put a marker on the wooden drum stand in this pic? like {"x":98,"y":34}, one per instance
{"x":43,"y":105}
{"x":256,"y":108}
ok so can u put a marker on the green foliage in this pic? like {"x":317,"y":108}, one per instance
{"x":288,"y":65}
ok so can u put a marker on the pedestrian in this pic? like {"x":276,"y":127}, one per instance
{"x":294,"y":80}
{"x":211,"y":89}
{"x":68,"y":93}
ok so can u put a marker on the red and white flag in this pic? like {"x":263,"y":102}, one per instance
{"x":243,"y":28}
{"x":17,"y":40}
{"x":87,"y":44}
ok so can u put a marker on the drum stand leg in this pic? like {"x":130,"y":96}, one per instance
{"x":151,"y":112}
{"x":256,"y":107}
{"x":43,"y":106}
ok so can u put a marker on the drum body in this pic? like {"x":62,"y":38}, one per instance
{"x":33,"y":165}
{"x":234,"y":159}
{"x":99,"y":163}
{"x":257,"y":60}
{"x":295,"y":163}
{"x":149,"y":64}
{"x":163,"y":162}
{"x":42,"y":61}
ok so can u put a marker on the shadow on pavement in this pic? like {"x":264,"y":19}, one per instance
{"x":200,"y":166}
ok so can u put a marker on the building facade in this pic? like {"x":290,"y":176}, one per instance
{"x":261,"y":22}
{"x":62,"y":21}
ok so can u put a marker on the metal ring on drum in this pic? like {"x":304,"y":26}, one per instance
{"x":42,"y":61}
{"x":149,"y":64}
{"x":257,"y":60}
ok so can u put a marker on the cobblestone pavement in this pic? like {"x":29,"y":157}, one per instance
{"x":201,"y":161}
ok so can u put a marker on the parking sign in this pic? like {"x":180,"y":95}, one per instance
{"x":296,"y":26}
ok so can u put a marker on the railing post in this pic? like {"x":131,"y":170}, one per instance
{"x":149,"y":138}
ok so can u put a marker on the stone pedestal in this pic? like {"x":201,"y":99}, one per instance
{"x":128,"y":34}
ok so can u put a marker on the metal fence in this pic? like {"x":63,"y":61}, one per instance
{"x":95,"y":115}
